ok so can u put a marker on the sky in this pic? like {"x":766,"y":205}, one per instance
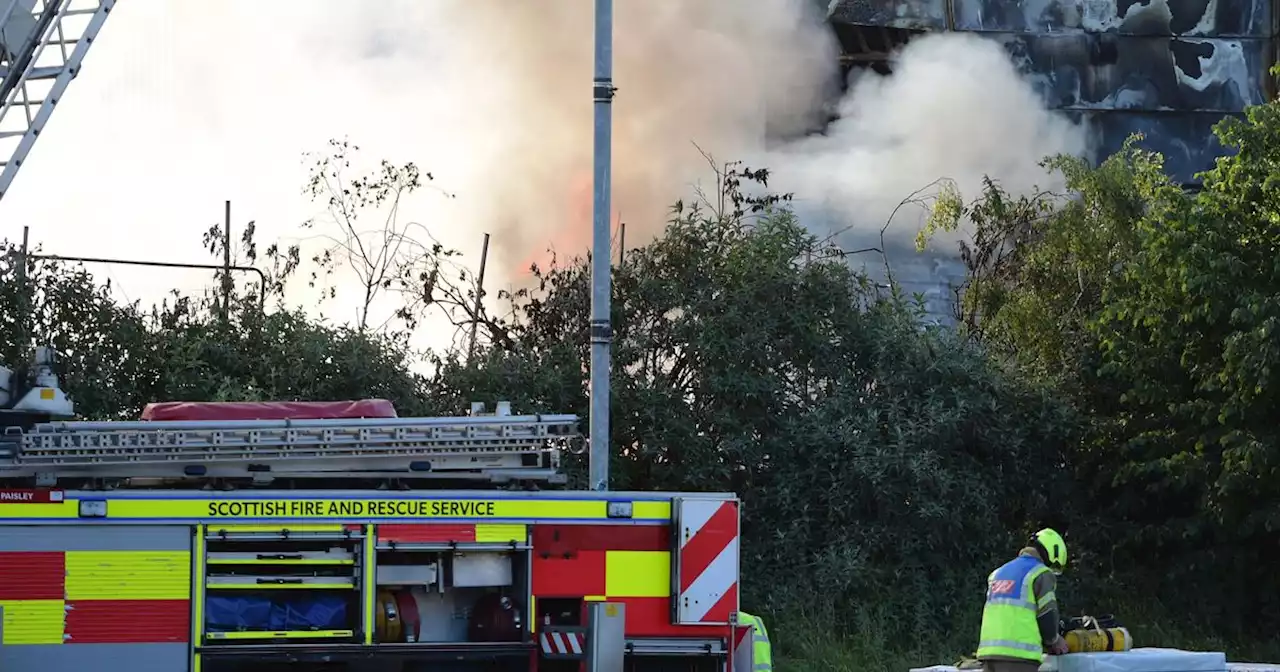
{"x":181,"y":106}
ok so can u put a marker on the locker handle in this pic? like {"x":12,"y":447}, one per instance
{"x":279,"y":556}
{"x":279,"y":581}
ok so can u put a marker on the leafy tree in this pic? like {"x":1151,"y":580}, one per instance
{"x":1191,"y":331}
{"x":117,"y":358}
{"x":104,"y":346}
{"x":1155,"y":310}
{"x":1038,"y":264}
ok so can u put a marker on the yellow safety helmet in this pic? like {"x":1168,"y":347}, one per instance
{"x":1052,"y":547}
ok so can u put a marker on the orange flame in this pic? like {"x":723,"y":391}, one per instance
{"x":572,"y":239}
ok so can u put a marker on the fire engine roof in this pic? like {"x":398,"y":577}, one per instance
{"x":268,"y":410}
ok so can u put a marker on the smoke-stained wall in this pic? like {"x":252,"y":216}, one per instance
{"x":1169,"y":69}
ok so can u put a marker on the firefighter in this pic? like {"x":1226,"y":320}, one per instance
{"x":1020,"y":619}
{"x":761,"y":653}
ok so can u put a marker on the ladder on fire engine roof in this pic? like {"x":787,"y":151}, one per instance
{"x":497,"y":448}
{"x":42,"y":44}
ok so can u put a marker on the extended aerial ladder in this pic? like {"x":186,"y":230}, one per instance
{"x":42,"y":45}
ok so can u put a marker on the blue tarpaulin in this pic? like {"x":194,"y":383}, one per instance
{"x":285,"y":613}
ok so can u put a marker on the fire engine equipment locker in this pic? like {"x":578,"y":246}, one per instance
{"x":606,"y":638}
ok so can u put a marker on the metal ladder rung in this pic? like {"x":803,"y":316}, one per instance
{"x":62,"y":42}
{"x":44,"y":73}
{"x":32,"y":102}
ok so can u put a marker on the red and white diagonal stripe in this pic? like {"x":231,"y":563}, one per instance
{"x":708,"y":561}
{"x":743,"y":658}
{"x":555,"y":643}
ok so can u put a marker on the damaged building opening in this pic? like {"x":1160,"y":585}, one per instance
{"x":864,"y":48}
{"x":869,"y":47}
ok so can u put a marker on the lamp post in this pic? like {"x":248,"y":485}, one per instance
{"x":601,"y":255}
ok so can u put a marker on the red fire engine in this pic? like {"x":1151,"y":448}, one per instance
{"x":337,"y":536}
{"x":213,"y":536}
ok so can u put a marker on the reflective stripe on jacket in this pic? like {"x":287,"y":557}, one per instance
{"x":762,"y":654}
{"x":1009,"y":628}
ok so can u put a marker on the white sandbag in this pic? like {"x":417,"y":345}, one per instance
{"x":1138,"y":660}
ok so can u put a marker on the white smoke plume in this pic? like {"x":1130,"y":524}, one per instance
{"x":722,"y":73}
{"x":954,"y":108}
{"x":743,"y":80}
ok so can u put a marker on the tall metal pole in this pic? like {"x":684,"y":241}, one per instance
{"x":601,"y":255}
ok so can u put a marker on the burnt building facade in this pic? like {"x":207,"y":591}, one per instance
{"x":1169,"y":69}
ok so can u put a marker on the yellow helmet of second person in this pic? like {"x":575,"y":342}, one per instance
{"x":1052,"y":547}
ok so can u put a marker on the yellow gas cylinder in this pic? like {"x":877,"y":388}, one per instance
{"x":1095,"y":639}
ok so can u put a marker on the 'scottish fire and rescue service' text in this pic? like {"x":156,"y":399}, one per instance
{"x":380,"y":508}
